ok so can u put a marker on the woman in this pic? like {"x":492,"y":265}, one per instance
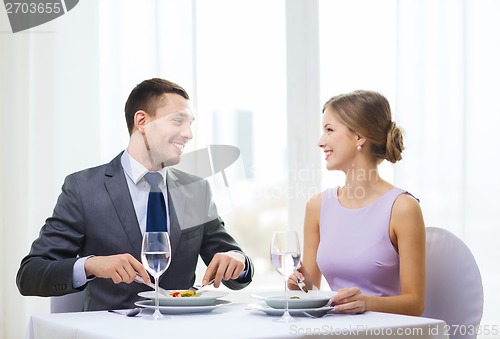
{"x":366,"y":238}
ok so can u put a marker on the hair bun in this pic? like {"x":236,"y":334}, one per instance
{"x":394,"y":145}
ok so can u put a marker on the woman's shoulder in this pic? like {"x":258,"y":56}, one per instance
{"x":314,"y":201}
{"x":405,"y":196}
{"x":317,"y":199}
{"x":406,"y":218}
{"x":313,"y":212}
{"x":406,"y":204}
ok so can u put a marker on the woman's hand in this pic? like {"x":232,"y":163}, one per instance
{"x":302,"y":274}
{"x":349,"y":300}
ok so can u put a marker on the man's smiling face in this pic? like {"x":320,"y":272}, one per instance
{"x":169,"y":130}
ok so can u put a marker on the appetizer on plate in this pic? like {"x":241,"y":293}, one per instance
{"x":183,"y":294}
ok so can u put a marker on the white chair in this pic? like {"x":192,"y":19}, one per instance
{"x":454,"y":290}
{"x":73,"y":302}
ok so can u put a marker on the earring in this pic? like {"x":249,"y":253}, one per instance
{"x":359,"y":148}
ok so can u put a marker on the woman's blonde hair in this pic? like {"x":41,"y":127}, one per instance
{"x":368,"y":114}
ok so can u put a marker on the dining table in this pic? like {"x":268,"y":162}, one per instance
{"x":236,"y":318}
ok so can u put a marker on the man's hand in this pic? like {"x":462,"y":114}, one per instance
{"x":224,"y":265}
{"x":119,"y":268}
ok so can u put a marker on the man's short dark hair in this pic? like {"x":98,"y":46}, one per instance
{"x":145,"y":96}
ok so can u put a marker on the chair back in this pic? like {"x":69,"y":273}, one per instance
{"x":73,"y":302}
{"x":454,"y":290}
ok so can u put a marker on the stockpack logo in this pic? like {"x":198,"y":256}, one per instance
{"x":28,"y":14}
{"x":208,"y":161}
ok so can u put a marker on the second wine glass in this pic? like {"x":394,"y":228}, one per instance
{"x":285,"y":257}
{"x":155,"y":256}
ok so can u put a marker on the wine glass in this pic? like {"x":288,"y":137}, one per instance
{"x":155,"y":256}
{"x":285,"y":257}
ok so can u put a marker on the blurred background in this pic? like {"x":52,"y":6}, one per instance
{"x":259,"y":72}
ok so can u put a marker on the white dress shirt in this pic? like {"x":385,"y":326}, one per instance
{"x":139,"y":188}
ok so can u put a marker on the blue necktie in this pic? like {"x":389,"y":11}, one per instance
{"x":156,"y":220}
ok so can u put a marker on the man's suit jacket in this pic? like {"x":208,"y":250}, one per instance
{"x":94,"y":215}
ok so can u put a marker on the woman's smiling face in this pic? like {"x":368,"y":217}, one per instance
{"x":338,"y":142}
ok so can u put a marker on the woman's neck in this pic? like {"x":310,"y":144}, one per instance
{"x":363,"y":185}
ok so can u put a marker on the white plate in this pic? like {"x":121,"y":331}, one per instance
{"x":207,"y":298}
{"x":295,"y":312}
{"x":150,"y":304}
{"x":312,"y":299}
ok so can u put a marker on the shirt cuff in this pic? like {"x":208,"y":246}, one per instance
{"x":79,"y":275}
{"x":243,"y":273}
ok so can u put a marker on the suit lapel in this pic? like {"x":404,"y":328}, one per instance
{"x":116,"y":185}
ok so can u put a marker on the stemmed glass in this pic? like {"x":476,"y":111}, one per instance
{"x":155,"y":256}
{"x":285,"y":257}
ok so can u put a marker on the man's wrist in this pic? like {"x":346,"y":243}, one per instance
{"x":245,"y":262}
{"x":80,"y":276}
{"x":238,"y":256}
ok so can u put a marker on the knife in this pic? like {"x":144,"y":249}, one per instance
{"x":160,"y":290}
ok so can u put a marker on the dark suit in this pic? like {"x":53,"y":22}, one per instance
{"x":94,"y":215}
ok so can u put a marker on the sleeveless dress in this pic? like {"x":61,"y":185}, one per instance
{"x":355,"y":248}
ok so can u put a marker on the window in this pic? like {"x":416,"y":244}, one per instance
{"x":241,"y":101}
{"x":357,"y":51}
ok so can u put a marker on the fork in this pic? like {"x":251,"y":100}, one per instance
{"x":197,"y":287}
{"x":317,"y":316}
{"x":328,"y":304}
{"x":302,"y":285}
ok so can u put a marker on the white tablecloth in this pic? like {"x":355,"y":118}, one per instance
{"x":235,"y":320}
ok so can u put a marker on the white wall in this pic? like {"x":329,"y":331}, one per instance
{"x":49,"y":104}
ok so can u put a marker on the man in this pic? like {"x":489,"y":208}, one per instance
{"x":93,"y":239}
